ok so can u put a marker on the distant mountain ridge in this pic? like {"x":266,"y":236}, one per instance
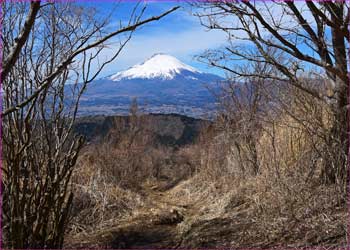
{"x":161,"y":84}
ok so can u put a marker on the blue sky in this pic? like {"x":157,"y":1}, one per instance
{"x":179,"y":34}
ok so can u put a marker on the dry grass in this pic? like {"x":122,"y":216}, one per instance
{"x":224,"y":204}
{"x":99,"y":202}
{"x":109,"y":182}
{"x":281,"y":211}
{"x":286,"y":204}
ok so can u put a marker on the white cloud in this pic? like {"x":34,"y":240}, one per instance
{"x":182,"y":45}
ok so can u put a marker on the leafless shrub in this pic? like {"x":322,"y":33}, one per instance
{"x":274,"y":34}
{"x":119,"y":170}
{"x":43,"y":43}
{"x":285,"y":132}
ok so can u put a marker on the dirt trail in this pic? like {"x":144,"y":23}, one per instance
{"x":167,"y":222}
{"x":154,"y":225}
{"x":157,"y":224}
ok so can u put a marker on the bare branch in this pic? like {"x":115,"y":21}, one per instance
{"x":59,"y":69}
{"x":10,"y":60}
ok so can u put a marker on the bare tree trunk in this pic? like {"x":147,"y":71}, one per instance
{"x":335,"y":169}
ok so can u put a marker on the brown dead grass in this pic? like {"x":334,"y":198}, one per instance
{"x":285,"y":204}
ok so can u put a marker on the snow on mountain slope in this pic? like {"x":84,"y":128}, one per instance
{"x":162,"y":84}
{"x":161,"y":66}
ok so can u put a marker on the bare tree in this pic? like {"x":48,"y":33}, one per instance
{"x":303,"y":36}
{"x":48,"y":55}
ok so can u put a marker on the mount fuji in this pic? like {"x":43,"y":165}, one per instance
{"x":159,"y":66}
{"x":161,"y":84}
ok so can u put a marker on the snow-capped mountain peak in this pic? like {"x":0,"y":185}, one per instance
{"x":158,"y":66}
